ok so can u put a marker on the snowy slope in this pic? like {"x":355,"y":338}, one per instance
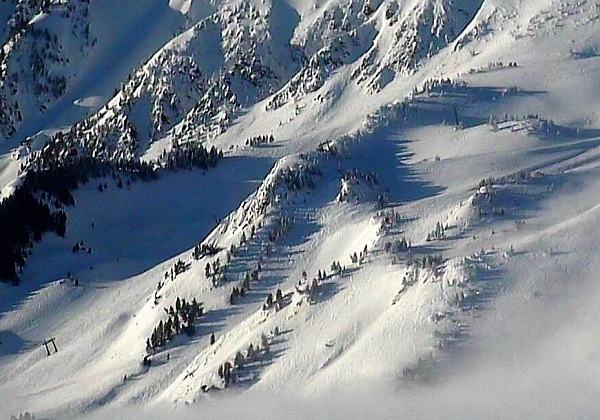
{"x":423,"y":216}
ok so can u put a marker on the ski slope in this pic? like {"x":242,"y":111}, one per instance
{"x":466,"y":186}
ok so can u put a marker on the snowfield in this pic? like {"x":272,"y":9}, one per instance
{"x":405,"y":222}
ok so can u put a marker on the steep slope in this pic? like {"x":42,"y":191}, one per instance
{"x":58,"y":52}
{"x":193,"y":88}
{"x":407,"y":202}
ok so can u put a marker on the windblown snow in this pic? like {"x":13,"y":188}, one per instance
{"x":404,"y":222}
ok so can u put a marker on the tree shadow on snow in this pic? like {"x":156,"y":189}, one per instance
{"x":385,"y":155}
{"x":11,"y":343}
{"x":139,"y":227}
{"x":250,"y":373}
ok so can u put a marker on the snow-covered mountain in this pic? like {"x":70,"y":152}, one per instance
{"x":329,"y":201}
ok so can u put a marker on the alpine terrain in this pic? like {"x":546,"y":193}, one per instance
{"x":299,"y":208}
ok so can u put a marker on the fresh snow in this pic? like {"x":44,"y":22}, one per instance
{"x":366,"y":153}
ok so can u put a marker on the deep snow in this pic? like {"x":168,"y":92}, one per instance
{"x":503,"y":327}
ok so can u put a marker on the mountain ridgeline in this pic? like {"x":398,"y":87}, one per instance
{"x":189,"y":91}
{"x":220,"y":63}
{"x":213,"y":199}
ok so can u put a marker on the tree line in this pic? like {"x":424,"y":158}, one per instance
{"x":37,"y":205}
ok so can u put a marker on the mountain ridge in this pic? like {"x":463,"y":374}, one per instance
{"x":377,"y":195}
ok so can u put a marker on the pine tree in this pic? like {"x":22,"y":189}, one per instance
{"x":268,"y":302}
{"x":232,"y":297}
{"x":239,"y":360}
{"x":160,"y":334}
{"x":168,"y":329}
{"x":264,"y":343}
{"x":176,"y":324}
{"x":250,"y":353}
{"x":196,"y":308}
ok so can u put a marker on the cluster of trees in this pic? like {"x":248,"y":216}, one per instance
{"x":178,"y":268}
{"x":276,"y":302}
{"x":26,"y":214}
{"x":253,"y":275}
{"x":64,"y":166}
{"x":64,"y":148}
{"x":243,"y":241}
{"x":135,"y":169}
{"x":9,"y":112}
{"x":181,"y":318}
{"x":487,"y":200}
{"x":329,"y":148}
{"x":191,"y":154}
{"x":438,"y":233}
{"x":255,"y":141}
{"x":389,"y":219}
{"x":357,"y":258}
{"x":217,"y":272}
{"x":244,"y":287}
{"x":353,"y":178}
{"x":484,"y":198}
{"x":436,"y":85}
{"x":297,"y":178}
{"x":368,"y":10}
{"x":41,"y":72}
{"x":282,"y":225}
{"x":336,"y":268}
{"x":399,"y":245}
{"x":46,"y":50}
{"x":23,"y":416}
{"x":430,"y":261}
{"x":521,"y":176}
{"x":391,"y":10}
{"x":421,"y":370}
{"x":321,"y":275}
{"x":251,"y":68}
{"x":24,"y":218}
{"x":212,"y":112}
{"x":231,"y":252}
{"x":51,"y":177}
{"x":226,"y":371}
{"x":314,"y":73}
{"x":292,"y":179}
{"x":532,"y":123}
{"x":238,"y":292}
{"x":244,"y":238}
{"x":382,"y":200}
{"x":58,"y":179}
{"x":214,"y":270}
{"x":19,"y":21}
{"x":486,"y":183}
{"x":80,"y":247}
{"x":310,"y":289}
{"x":203,"y":250}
